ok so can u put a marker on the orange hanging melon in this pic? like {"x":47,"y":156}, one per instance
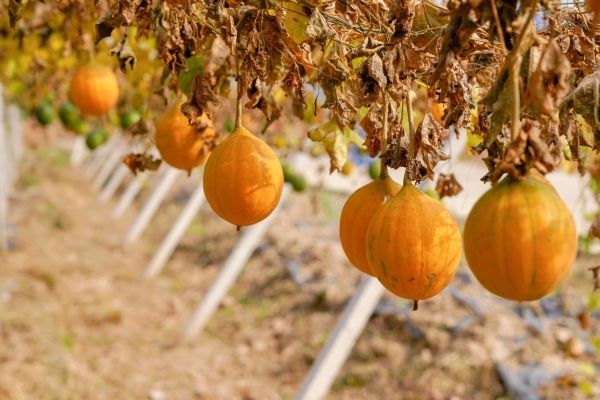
{"x":94,"y":89}
{"x":180,"y":144}
{"x":243,"y":179}
{"x":356,"y":216}
{"x":413,"y":245}
{"x":520,"y":239}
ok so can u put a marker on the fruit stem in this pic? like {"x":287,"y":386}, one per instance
{"x":240,"y":95}
{"x":384,"y":135}
{"x":238,"y":112}
{"x":415,"y":305}
{"x":411,"y":127}
{"x":412,"y":147}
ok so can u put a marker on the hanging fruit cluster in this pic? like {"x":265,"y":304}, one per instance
{"x":519,"y":78}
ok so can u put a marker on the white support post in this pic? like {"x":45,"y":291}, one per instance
{"x":15,"y":127}
{"x":339,"y":345}
{"x":78,"y":152}
{"x":100,"y":155}
{"x":151,"y":206}
{"x":5,"y":177}
{"x":114,"y":183}
{"x":114,"y":158}
{"x":232,"y":268}
{"x":169,"y":244}
{"x":128,"y":196}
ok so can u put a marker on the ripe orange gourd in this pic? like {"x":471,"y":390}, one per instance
{"x":243,"y":179}
{"x":413,"y":245}
{"x":520,"y":239}
{"x":94,"y":89}
{"x":180,"y":144}
{"x":356,"y":216}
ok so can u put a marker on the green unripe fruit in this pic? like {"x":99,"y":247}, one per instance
{"x":288,"y":172}
{"x":299,"y":183}
{"x":80,"y":127}
{"x":374,"y":169}
{"x":96,"y":138}
{"x":44,"y":113}
{"x":129,"y":118}
{"x":68,"y":114}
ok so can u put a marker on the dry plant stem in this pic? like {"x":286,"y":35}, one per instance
{"x":384,"y":135}
{"x":515,"y":68}
{"x":238,"y":101}
{"x":498,"y":25}
{"x":412,"y":148}
{"x":238,"y":111}
{"x":515,"y":123}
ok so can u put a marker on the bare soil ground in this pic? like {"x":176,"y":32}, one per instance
{"x":78,"y":322}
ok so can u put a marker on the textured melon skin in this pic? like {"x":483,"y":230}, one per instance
{"x":413,"y":245}
{"x":520,"y":239}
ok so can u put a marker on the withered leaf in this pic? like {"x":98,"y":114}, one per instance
{"x":501,"y":113}
{"x":141,"y":162}
{"x":104,"y":29}
{"x":403,"y":13}
{"x":202,"y":93}
{"x":372,"y":125}
{"x":142,"y":128}
{"x":532,"y":148}
{"x":124,"y":54}
{"x":429,"y":139}
{"x":549,"y":84}
{"x":318,"y":28}
{"x":372,"y":77}
{"x":594,"y":230}
{"x":344,"y":111}
{"x":14,"y":11}
{"x":596,"y":276}
{"x":122,"y":14}
{"x":447,"y":185}
{"x":585,"y":99}
{"x":293,"y":83}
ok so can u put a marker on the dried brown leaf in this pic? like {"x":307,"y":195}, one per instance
{"x":14,"y":11}
{"x":124,"y":54}
{"x":141,"y":162}
{"x":596,"y":277}
{"x":294,"y":84}
{"x":549,"y":84}
{"x":447,"y":186}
